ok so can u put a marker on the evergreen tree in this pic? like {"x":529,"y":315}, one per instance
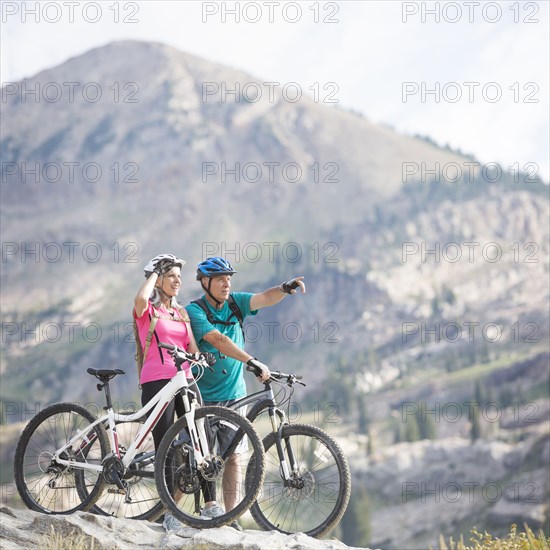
{"x":412,"y":430}
{"x":355,"y":524}
{"x":436,"y":309}
{"x":479,"y":396}
{"x":505,"y":397}
{"x":426,"y":426}
{"x":397,"y":437}
{"x":475,"y":431}
{"x":370,"y":443}
{"x":489,"y":395}
{"x":364,"y":420}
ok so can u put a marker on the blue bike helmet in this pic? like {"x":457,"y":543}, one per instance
{"x":212,"y":267}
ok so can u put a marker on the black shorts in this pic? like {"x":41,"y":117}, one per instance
{"x":149,"y":390}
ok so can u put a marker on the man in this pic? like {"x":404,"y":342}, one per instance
{"x":217,"y":329}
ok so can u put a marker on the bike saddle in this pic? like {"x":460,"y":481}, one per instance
{"x":105,"y":374}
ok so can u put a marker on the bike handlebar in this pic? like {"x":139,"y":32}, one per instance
{"x":207,"y":360}
{"x":196,"y":359}
{"x":278,"y":375}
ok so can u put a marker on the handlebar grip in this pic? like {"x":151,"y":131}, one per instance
{"x":210,"y":358}
{"x":253,"y":369}
{"x":167,"y":346}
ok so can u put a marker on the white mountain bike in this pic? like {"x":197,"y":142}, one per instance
{"x":66,"y":457}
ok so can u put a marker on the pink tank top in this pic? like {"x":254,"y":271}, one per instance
{"x":159,"y":365}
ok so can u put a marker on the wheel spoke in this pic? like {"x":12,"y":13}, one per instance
{"x":316,"y":496}
{"x":43,"y":484}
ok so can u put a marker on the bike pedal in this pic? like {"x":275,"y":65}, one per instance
{"x":116,"y":491}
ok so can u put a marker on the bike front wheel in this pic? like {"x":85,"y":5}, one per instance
{"x":234,"y":449}
{"x":44,"y":484}
{"x":316,"y":495}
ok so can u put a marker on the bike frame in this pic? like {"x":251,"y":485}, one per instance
{"x":268,"y":394}
{"x":273,"y":411}
{"x":158,"y":405}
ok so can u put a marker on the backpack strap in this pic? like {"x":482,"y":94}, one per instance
{"x":152,"y":325}
{"x":235,"y":312}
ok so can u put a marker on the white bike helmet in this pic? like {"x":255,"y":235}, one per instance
{"x":148,"y":269}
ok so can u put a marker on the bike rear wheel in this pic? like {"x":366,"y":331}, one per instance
{"x":317,"y":495}
{"x":144,"y":499}
{"x":184,"y":490}
{"x":47,"y":486}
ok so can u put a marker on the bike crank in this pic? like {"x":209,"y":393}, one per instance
{"x":113,"y":472}
{"x":212,"y":468}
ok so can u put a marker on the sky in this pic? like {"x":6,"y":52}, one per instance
{"x":471,"y":74}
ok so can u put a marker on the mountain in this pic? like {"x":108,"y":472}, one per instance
{"x":421,"y":286}
{"x":91,"y":239}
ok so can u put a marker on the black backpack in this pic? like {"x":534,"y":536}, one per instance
{"x":235,"y":312}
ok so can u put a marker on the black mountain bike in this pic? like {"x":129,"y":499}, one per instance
{"x":307,"y":481}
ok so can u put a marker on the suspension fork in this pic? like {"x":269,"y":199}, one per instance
{"x":199,"y":442}
{"x":197,"y":433}
{"x":278,"y":429}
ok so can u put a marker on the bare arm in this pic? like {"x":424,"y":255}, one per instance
{"x":142,"y":297}
{"x":226,"y":346}
{"x":267,"y":298}
{"x":273,"y":295}
{"x":192,"y":347}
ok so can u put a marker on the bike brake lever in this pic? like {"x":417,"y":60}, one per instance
{"x":293,"y":380}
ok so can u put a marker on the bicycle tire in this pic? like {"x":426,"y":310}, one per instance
{"x":258,"y":408}
{"x":146,"y":503}
{"x":316,"y":508}
{"x":173,"y":463}
{"x":37,"y":477}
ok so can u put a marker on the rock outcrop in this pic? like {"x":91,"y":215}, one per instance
{"x":26,"y":529}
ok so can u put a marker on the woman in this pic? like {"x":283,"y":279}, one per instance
{"x":157,"y":298}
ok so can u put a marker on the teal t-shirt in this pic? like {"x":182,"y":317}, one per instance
{"x":216,"y":386}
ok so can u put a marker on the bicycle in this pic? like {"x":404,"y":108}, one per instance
{"x":66,"y":456}
{"x":293,"y":454}
{"x":307,"y":484}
